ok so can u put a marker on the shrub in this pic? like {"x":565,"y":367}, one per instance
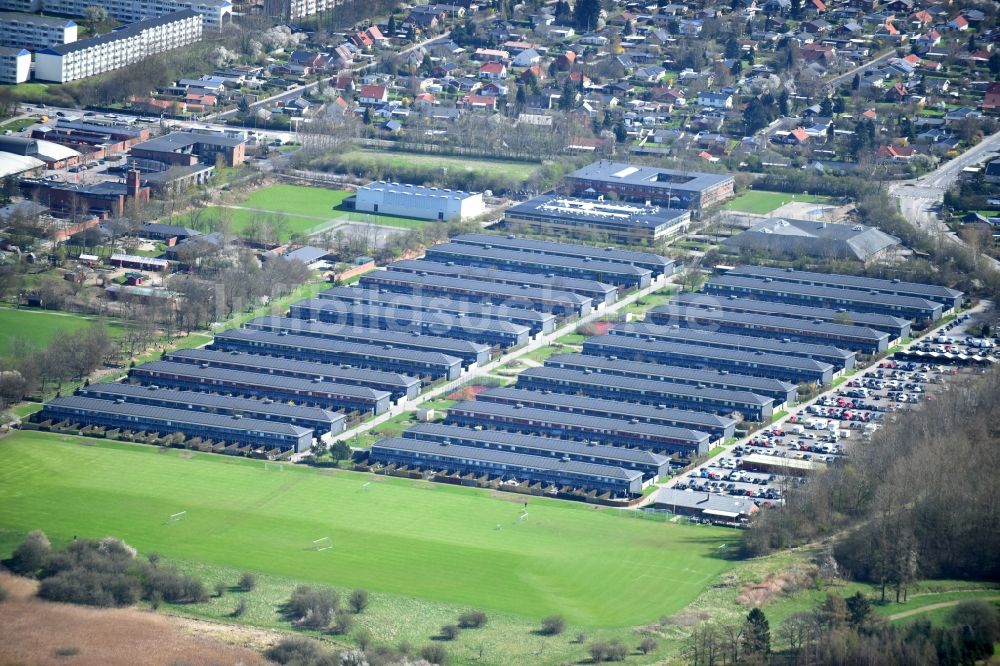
{"x":436,"y":654}
{"x":93,"y":588}
{"x":313,"y":606}
{"x":359,"y":600}
{"x":647,"y":645}
{"x":247,"y":582}
{"x":3,"y":594}
{"x":31,"y":555}
{"x":553,"y":625}
{"x":241,"y":608}
{"x":363,"y":638}
{"x":342,"y":622}
{"x":449,"y":632}
{"x":296,"y":650}
{"x":472,"y":619}
{"x":607,"y":651}
{"x":155,"y":599}
{"x":220,"y":588}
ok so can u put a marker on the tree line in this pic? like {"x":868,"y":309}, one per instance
{"x":847,"y":631}
{"x":917,"y":501}
{"x":27,"y":369}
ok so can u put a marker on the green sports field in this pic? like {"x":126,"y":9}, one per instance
{"x":304,"y":210}
{"x":763,"y":201}
{"x":393,"y":536}
{"x":40,"y":326}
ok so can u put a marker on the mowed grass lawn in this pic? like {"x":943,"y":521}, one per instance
{"x":304,"y":209}
{"x":41,"y":326}
{"x":516,"y":169}
{"x":397,"y":536}
{"x":297,"y":200}
{"x":763,"y":201}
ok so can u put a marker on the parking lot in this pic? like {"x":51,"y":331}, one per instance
{"x":821,"y":431}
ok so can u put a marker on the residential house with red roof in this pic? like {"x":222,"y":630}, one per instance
{"x":373,"y":95}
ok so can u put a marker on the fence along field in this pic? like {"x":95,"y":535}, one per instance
{"x":436,"y":542}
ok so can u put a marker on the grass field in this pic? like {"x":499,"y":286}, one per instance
{"x":520,"y":170}
{"x":304,"y":209}
{"x":399,"y":537}
{"x":19,"y":124}
{"x":297,"y":200}
{"x":763,"y":201}
{"x":40,"y":326}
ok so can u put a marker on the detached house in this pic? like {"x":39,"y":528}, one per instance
{"x":715,"y":100}
{"x":370,"y":95}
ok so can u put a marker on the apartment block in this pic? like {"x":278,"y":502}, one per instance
{"x":214,"y":12}
{"x":15,"y":65}
{"x":118,"y":48}
{"x":35,"y":32}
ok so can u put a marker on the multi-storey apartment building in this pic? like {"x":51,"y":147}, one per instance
{"x":293,"y":9}
{"x":214,"y":12}
{"x":15,"y":65}
{"x":35,"y":32}
{"x":118,"y":48}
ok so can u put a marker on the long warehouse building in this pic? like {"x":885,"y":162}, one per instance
{"x":611,"y":432}
{"x":492,"y":332}
{"x":598,"y":292}
{"x":508,"y":466}
{"x":654,"y":263}
{"x":751,"y":406}
{"x":397,"y":385}
{"x":856,"y":338}
{"x":909,"y":307}
{"x":407,"y":361}
{"x":759,"y":364}
{"x":783,"y":393}
{"x":321,"y":421}
{"x":720,"y":428}
{"x":327,"y":395}
{"x":619,"y":275}
{"x":897,"y":327}
{"x":557,"y":302}
{"x":650,"y":464}
{"x":949,"y":298}
{"x":470,"y":352}
{"x":840,"y":359}
{"x":146,"y":418}
{"x":537,"y":322}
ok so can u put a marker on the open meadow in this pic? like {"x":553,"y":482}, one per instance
{"x":471,"y":165}
{"x":40,"y":326}
{"x":392,"y":536}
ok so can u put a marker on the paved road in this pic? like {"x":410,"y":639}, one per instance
{"x":840,"y":78}
{"x":479,"y":372}
{"x":297,"y":92}
{"x":919,"y":198}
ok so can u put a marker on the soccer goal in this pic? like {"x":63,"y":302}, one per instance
{"x":366,"y":486}
{"x":322,"y":544}
{"x":523,"y":517}
{"x":273,"y":467}
{"x":177,"y":517}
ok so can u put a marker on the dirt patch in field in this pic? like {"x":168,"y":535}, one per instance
{"x":33,"y":631}
{"x":757,"y":595}
{"x":467,"y":393}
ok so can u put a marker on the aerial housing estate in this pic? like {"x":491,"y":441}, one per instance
{"x":118,"y":48}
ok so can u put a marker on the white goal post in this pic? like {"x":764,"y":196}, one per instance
{"x":177,"y":517}
{"x":322,"y":544}
{"x":273,"y":467}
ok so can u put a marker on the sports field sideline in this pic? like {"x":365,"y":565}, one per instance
{"x":394,"y":536}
